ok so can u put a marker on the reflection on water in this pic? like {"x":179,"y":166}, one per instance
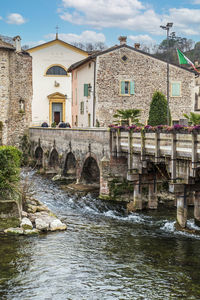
{"x":104,"y":254}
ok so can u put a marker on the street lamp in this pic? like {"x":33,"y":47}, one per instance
{"x":167,"y":27}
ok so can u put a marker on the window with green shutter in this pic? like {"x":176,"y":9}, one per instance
{"x":132,"y":87}
{"x":175,"y":89}
{"x":85,"y":89}
{"x":127,"y":87}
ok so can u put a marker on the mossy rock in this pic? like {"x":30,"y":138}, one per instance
{"x":9,"y":222}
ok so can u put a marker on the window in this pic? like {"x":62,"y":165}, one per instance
{"x":82,"y":108}
{"x":56,"y":70}
{"x":76,"y":96}
{"x":89,"y":120}
{"x":124,"y":58}
{"x":127,"y":88}
{"x":176,"y":89}
{"x":86,"y":93}
{"x":21,"y":106}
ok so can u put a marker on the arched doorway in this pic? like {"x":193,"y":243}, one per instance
{"x":39,"y":156}
{"x":70,"y":165}
{"x":53,"y":162}
{"x":90,"y":173}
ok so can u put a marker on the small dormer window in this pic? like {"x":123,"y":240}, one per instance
{"x":57,"y":71}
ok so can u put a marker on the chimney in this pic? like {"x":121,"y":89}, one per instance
{"x":122,"y":39}
{"x":137,"y":45}
{"x":17,"y":41}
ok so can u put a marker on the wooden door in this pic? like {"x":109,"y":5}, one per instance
{"x":57,"y":117}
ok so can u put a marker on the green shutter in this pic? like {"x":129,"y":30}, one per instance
{"x":132,"y":87}
{"x":176,"y":89}
{"x":122,"y":87}
{"x":85,"y":89}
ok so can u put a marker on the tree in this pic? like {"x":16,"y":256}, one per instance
{"x":193,"y":118}
{"x":128,"y":115}
{"x":158,"y":110}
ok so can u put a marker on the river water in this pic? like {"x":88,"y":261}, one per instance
{"x":104,"y":254}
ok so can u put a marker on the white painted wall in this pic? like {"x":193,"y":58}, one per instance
{"x":44,"y":85}
{"x":85,"y":74}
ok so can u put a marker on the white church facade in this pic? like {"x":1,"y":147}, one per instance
{"x":52,"y":91}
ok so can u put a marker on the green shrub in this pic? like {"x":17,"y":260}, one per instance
{"x":53,"y":125}
{"x":158,"y":110}
{"x":10,"y":159}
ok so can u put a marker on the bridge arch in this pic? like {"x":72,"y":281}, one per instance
{"x":54,"y":159}
{"x":70,"y":165}
{"x":90,"y":170}
{"x":39,"y":156}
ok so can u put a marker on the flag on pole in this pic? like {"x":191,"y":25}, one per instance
{"x":183,"y":60}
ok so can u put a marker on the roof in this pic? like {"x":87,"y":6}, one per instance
{"x":91,"y":57}
{"x":57,"y":41}
{"x":4,"y":45}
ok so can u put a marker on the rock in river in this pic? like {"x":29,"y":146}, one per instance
{"x":57,"y":225}
{"x":26,"y":224}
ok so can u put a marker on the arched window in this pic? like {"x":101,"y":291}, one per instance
{"x":56,"y":70}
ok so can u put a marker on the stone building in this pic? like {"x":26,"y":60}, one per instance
{"x":123,"y":77}
{"x":52,"y":82}
{"x":15,"y":91}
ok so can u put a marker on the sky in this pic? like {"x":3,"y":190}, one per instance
{"x":90,"y":21}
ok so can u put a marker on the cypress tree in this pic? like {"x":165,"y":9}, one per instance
{"x":158,"y":110}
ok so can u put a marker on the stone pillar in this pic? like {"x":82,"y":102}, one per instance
{"x":197,"y":208}
{"x":113,"y":146}
{"x":104,"y":192}
{"x":137,"y":196}
{"x":118,"y":143}
{"x":78,"y":171}
{"x":194,"y":154}
{"x":173,"y":157}
{"x":182,"y":209}
{"x":157,"y":147}
{"x":152,"y":197}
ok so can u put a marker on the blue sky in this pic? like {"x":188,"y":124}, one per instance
{"x":98,"y":20}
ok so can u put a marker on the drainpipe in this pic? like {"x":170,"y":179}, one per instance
{"x":94,"y":94}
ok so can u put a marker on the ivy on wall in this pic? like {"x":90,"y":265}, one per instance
{"x":10,"y":160}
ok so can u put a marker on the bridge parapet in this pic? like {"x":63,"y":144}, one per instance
{"x":159,"y":147}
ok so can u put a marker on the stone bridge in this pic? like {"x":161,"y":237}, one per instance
{"x":127,"y":165}
{"x":75,"y":153}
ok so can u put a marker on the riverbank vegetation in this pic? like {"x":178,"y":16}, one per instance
{"x":10,"y":161}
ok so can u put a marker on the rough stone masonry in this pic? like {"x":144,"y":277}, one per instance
{"x":15,"y":91}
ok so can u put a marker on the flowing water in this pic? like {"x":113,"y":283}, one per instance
{"x":104,"y":254}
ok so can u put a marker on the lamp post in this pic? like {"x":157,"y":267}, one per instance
{"x":167,"y":27}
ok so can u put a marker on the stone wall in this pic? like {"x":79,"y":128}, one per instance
{"x":149,"y":75}
{"x":16,"y":85}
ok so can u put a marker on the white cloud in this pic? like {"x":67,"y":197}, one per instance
{"x":186,"y":21}
{"x":131,"y":15}
{"x":16,"y":19}
{"x":108,"y":13}
{"x":142,"y":39}
{"x":85,"y":37}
